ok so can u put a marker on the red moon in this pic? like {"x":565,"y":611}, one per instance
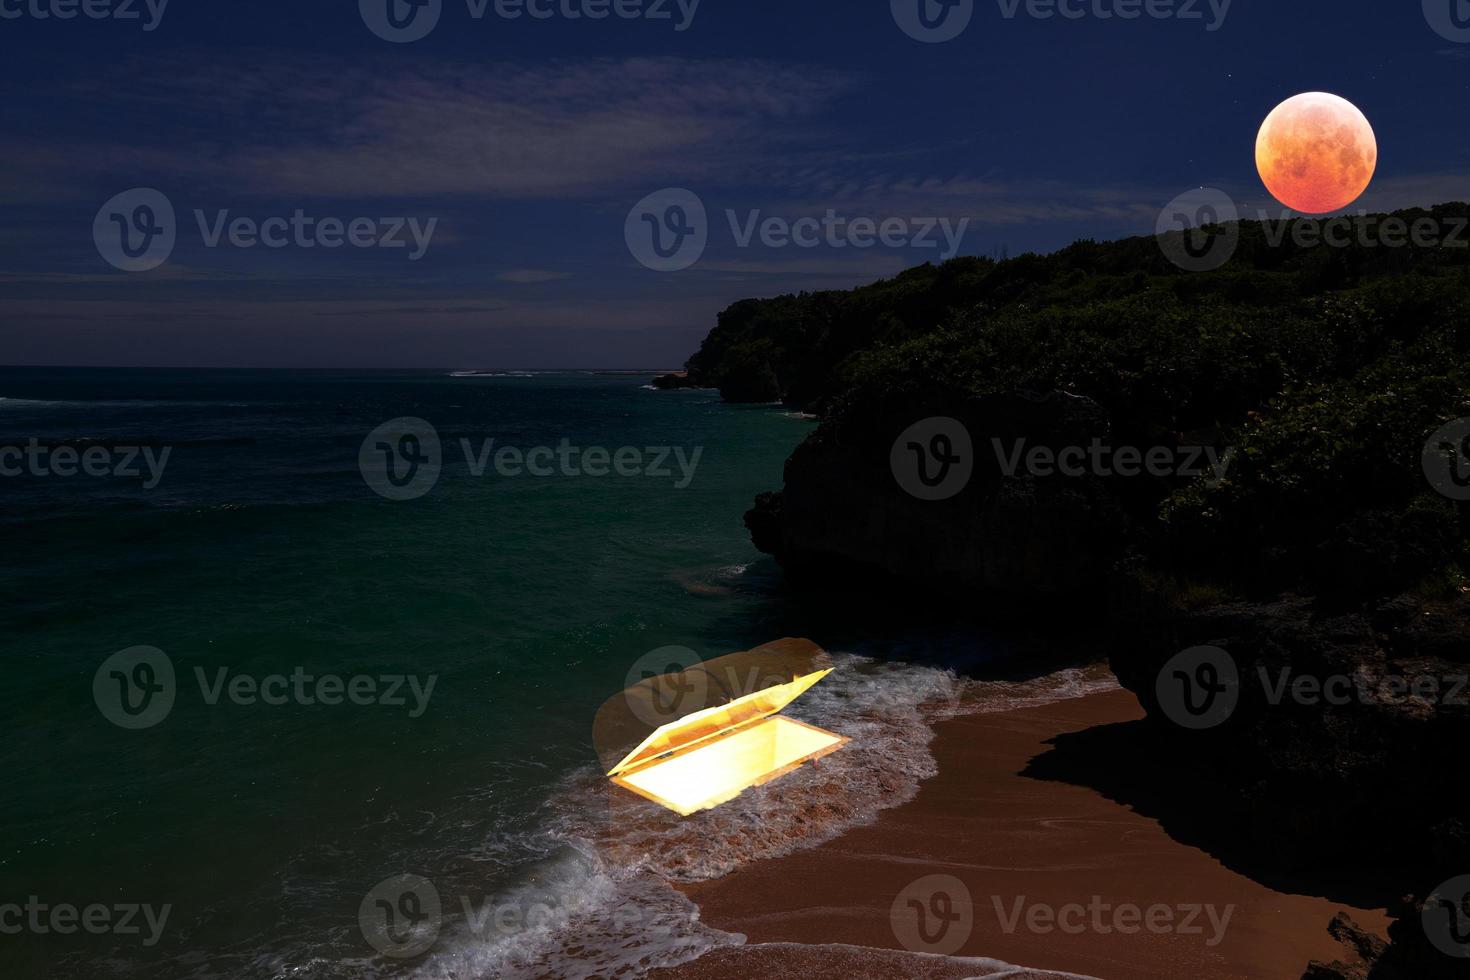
{"x":1316,"y":153}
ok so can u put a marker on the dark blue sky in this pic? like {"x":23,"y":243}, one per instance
{"x":527,"y":142}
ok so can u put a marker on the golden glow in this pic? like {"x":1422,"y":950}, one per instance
{"x":712,"y":756}
{"x":1316,"y":153}
{"x":723,"y":769}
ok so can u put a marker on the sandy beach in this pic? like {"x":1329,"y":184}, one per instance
{"x":1040,"y":873}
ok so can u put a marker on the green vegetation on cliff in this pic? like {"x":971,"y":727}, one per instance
{"x":1326,"y":368}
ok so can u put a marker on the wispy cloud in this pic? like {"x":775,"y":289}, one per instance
{"x":528,"y":276}
{"x":574,"y":129}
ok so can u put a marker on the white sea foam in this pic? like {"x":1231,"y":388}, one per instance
{"x":611,"y":908}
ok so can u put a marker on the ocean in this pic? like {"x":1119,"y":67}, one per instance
{"x":286,"y":719}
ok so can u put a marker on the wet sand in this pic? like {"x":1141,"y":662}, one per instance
{"x":1059,"y":878}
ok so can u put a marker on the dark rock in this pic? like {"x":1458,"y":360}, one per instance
{"x":1015,"y":538}
{"x":1363,"y":951}
{"x":674,"y":381}
{"x":750,"y":382}
{"x":1316,"y":769}
{"x":1358,"y":783}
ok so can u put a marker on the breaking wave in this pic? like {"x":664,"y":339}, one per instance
{"x":608,"y":903}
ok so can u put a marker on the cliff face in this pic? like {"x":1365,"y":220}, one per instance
{"x":1347,"y":722}
{"x":1002,"y":538}
{"x":1335,"y":728}
{"x":1266,"y":611}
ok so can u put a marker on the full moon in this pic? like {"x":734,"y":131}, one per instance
{"x":1316,"y":153}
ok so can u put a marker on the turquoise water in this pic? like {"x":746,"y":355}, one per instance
{"x":263,"y":550}
{"x":271,"y":838}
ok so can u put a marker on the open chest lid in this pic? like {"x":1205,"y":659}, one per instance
{"x":711,"y":723}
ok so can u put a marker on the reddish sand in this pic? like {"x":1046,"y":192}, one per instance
{"x":1016,"y":843}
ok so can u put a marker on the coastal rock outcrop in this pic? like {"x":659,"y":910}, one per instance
{"x":1330,"y":761}
{"x":675,"y":380}
{"x":1011,"y":536}
{"x":1336,"y":722}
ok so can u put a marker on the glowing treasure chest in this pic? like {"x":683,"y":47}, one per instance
{"x":713,"y":755}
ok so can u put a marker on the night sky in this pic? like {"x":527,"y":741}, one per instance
{"x":527,"y":141}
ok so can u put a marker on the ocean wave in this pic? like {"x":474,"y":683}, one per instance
{"x":862,"y":962}
{"x":615,"y":910}
{"x":579,"y":919}
{"x":116,"y":403}
{"x":139,"y":442}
